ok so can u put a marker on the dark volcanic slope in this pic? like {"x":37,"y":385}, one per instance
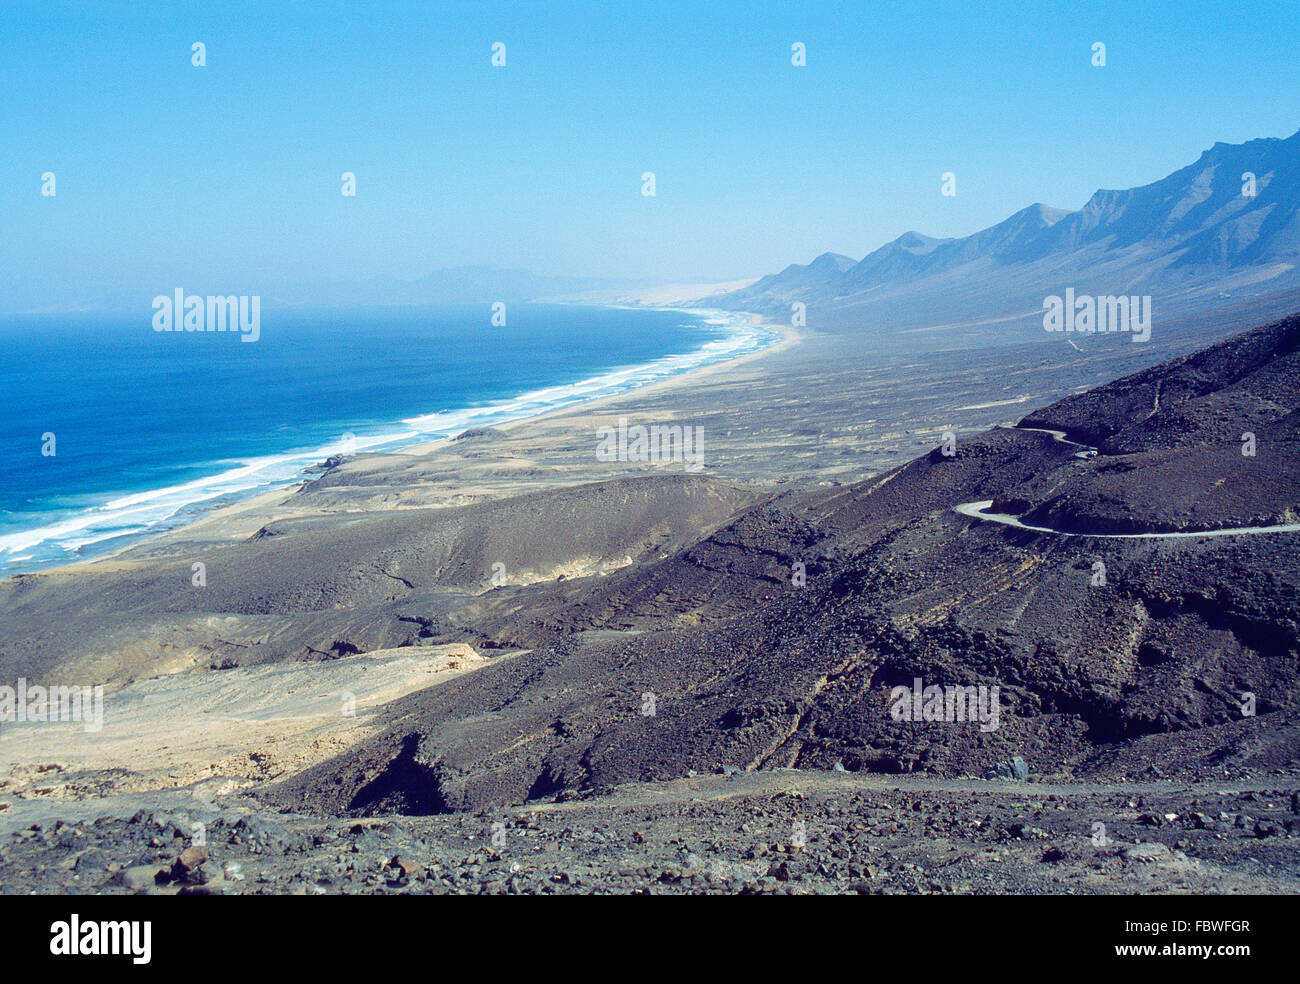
{"x":1096,"y":675}
{"x":1172,"y":439}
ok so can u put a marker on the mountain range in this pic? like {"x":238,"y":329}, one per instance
{"x":1226,"y":225}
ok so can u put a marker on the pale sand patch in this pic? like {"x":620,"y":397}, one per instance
{"x":237,"y":521}
{"x":997,"y":403}
{"x":240,"y":727}
{"x":666,"y":295}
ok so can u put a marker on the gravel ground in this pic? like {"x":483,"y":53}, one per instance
{"x":777,"y":832}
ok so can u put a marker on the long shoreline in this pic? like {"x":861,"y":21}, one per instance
{"x":267,"y":504}
{"x":789,"y":338}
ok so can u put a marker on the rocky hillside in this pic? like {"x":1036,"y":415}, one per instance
{"x":1109,"y":655}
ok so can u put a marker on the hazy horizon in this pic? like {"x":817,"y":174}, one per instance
{"x":227,"y":177}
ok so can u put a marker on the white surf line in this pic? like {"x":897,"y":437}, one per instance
{"x":975,"y":510}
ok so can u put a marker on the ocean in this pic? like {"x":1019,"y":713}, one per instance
{"x":150,"y":429}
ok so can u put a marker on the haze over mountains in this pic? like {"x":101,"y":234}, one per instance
{"x":1183,"y":239}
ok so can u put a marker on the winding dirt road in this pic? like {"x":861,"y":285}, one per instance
{"x":976,"y":510}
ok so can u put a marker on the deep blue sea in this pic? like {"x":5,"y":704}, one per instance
{"x":152,"y":428}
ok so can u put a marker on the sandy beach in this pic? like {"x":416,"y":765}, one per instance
{"x":498,"y":605}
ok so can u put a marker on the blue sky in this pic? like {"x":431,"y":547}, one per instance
{"x":227,"y":177}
